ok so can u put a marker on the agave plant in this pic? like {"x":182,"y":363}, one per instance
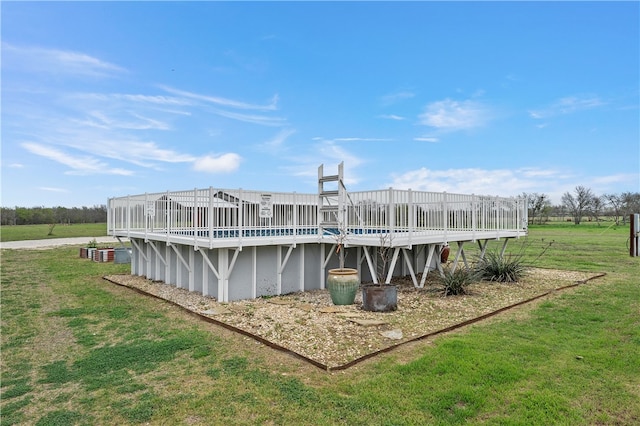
{"x":510,"y":268}
{"x":456,"y":282}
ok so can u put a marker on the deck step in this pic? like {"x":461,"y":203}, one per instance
{"x":328,"y":209}
{"x":329,"y":193}
{"x":330,"y":178}
{"x":329,"y":224}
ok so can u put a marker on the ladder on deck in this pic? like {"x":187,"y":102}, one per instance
{"x":332,"y":202}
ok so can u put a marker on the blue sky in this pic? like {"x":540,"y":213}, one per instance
{"x":496,"y":98}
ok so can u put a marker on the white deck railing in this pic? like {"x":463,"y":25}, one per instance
{"x":213,"y":214}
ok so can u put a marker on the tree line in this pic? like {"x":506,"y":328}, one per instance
{"x":583,"y":203}
{"x":52,"y":215}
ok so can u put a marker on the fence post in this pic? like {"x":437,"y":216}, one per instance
{"x":634,"y":234}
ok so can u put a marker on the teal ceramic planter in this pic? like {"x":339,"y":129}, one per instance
{"x":343,"y":284}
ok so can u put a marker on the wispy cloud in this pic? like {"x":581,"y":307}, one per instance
{"x":272,"y":105}
{"x":252,"y":118}
{"x":84,"y":165}
{"x":224,"y":163}
{"x":276,"y":143}
{"x":334,"y":140}
{"x":567,"y":105}
{"x":426,"y":139}
{"x":393,"y":98}
{"x":56,"y":61}
{"x":392,"y":117}
{"x":454,"y":115}
{"x":52,"y":189}
{"x":504,"y":182}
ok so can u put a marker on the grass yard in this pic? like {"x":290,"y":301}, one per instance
{"x":78,"y":350}
{"x":39,"y":232}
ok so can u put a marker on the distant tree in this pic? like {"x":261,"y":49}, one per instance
{"x":615,"y":201}
{"x":597,"y":208}
{"x":579,"y":204}
{"x":53,"y":215}
{"x":630,"y":204}
{"x":538,"y":203}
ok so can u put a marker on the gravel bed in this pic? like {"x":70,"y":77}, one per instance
{"x":308,"y":323}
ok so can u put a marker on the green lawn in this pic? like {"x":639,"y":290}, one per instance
{"x":40,"y":232}
{"x":78,"y":350}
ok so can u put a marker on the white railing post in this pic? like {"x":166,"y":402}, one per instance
{"x":392,"y":213}
{"x":294,"y":213}
{"x":445,"y":216}
{"x":146,"y":215}
{"x":410,"y":215}
{"x":474,"y":206}
{"x":240,"y":216}
{"x":194,"y":216}
{"x":128,"y":221}
{"x":210,"y":217}
{"x":167,"y":204}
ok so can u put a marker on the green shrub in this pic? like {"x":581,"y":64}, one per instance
{"x":456,"y":282}
{"x":503,"y":269}
{"x":509,"y":268}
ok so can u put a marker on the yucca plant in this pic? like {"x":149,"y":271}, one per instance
{"x":507,"y":269}
{"x":456,"y":282}
{"x":503,"y":269}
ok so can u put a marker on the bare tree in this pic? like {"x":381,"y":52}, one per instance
{"x":597,"y":207}
{"x":615,"y":201}
{"x":630,"y":204}
{"x":538,"y":203}
{"x":579,"y":204}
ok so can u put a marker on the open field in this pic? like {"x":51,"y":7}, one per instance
{"x":39,"y":232}
{"x":79,"y":350}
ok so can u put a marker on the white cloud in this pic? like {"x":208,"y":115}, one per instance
{"x":396,"y":97}
{"x":85,"y":165}
{"x":348,"y":139}
{"x":426,"y":139}
{"x":15,"y":166}
{"x":254,"y":119}
{"x":567,"y":105}
{"x":224,"y":163}
{"x":392,"y":117}
{"x":454,"y":115}
{"x":56,"y":61}
{"x":52,"y":189}
{"x":271,"y":106}
{"x":503,"y":182}
{"x":276,"y":143}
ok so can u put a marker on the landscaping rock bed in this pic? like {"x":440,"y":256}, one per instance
{"x":308,"y":324}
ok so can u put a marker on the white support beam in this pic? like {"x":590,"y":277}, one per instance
{"x":181,"y":258}
{"x":483,"y":248}
{"x":138,"y":249}
{"x":282,"y":263}
{"x":372,"y":268}
{"x":223,"y":284}
{"x":459,"y":253}
{"x":301,"y":271}
{"x":192,"y":264}
{"x":254,"y":272}
{"x":427,"y":264}
{"x":158,"y":256}
{"x":392,"y":265}
{"x":504,"y":247}
{"x":408,"y":262}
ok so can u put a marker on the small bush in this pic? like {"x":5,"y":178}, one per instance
{"x":456,"y":282}
{"x":503,"y":269}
